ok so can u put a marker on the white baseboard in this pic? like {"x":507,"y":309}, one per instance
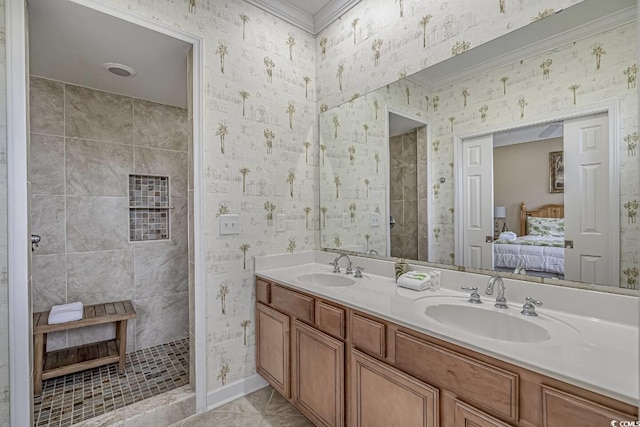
{"x":234,"y":391}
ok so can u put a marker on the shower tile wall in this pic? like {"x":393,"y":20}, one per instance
{"x":85,"y":144}
{"x":404,"y":195}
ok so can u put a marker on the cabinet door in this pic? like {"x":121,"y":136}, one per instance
{"x":382,"y":396}
{"x":318,"y":375}
{"x":468,"y":416}
{"x":272,"y":349}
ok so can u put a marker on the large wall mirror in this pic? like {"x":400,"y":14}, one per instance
{"x":519,"y":155}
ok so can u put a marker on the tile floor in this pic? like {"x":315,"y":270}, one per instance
{"x":263,"y":408}
{"x":76,"y":397}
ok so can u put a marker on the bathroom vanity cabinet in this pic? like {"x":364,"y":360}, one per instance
{"x":340,"y":366}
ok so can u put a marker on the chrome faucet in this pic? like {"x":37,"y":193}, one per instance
{"x":372,"y":252}
{"x":501,"y":301}
{"x":336,"y":267}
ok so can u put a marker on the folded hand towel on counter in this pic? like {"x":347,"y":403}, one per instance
{"x":415,"y":281}
{"x":66,"y":313}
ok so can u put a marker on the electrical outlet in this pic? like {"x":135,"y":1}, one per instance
{"x":281,"y":223}
{"x":229,"y":224}
{"x":345,"y":220}
{"x":375,"y":219}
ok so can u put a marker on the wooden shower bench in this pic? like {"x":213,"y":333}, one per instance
{"x":75,"y":359}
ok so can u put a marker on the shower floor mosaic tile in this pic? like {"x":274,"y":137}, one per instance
{"x":77,"y":397}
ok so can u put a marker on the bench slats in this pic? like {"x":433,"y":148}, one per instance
{"x":89,"y":312}
{"x":120,"y":307}
{"x":111,"y":310}
{"x":93,"y":315}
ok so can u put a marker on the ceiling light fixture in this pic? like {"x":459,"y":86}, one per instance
{"x":119,"y":69}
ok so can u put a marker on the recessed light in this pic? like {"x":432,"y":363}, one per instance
{"x":119,"y":69}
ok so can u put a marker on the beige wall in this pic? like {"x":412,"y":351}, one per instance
{"x":521,"y":174}
{"x":84,"y":145}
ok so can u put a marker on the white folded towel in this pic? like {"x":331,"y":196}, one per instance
{"x":66,"y":313}
{"x":415,"y":281}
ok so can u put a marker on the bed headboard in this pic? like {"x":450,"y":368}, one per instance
{"x":546,"y":211}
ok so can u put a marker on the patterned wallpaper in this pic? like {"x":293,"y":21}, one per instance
{"x":589,"y":71}
{"x":354,"y":163}
{"x":379,"y":40}
{"x":578,"y":74}
{"x":263,"y":81}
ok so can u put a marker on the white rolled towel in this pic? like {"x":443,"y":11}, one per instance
{"x":66,"y":313}
{"x":415,"y":281}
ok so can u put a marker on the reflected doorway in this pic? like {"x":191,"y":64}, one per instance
{"x":408,"y":187}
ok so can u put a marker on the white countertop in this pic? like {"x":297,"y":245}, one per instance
{"x":599,"y":354}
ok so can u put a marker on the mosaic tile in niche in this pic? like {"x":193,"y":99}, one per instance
{"x":148,"y":207}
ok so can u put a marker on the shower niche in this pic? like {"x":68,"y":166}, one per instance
{"x":149,"y":206}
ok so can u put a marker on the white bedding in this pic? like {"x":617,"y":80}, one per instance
{"x":535,"y":253}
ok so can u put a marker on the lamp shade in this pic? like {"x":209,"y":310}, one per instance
{"x":500,"y":212}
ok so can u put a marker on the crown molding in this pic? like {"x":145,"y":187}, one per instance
{"x":312,"y":24}
{"x":516,"y":52}
{"x":287,"y":12}
{"x":331,"y":12}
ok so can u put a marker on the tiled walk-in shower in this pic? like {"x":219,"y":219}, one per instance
{"x":73,"y":398}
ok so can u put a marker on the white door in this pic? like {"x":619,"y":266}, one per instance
{"x":586,"y":195}
{"x":477,"y":193}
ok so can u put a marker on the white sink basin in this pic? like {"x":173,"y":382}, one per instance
{"x":326,"y":279}
{"x":486,"y":321}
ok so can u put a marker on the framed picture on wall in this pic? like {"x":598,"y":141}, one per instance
{"x":556,"y":172}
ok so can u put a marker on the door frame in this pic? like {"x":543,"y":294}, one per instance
{"x":611,"y":108}
{"x":20,"y":328}
{"x":425,"y":122}
{"x":19,"y":298}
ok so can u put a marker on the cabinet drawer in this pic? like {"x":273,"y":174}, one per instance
{"x":262,"y":291}
{"x":293,"y":303}
{"x":368,"y":335}
{"x":487,"y":386}
{"x":330,"y":319}
{"x":466,"y":416}
{"x":566,"y":410}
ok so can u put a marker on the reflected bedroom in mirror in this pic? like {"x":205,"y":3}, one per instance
{"x":516,"y":156}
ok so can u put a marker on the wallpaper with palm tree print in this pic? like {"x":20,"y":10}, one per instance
{"x":255,"y":65}
{"x":358,"y":156}
{"x":504,"y":96}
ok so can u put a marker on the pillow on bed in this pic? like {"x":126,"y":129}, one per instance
{"x":553,"y":227}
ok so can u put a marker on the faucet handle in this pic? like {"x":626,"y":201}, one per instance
{"x":474,"y":298}
{"x":358,"y":273}
{"x":336,"y":267}
{"x":349,"y":270}
{"x":529,"y":307}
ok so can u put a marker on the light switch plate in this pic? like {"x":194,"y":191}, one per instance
{"x":375,"y":219}
{"x":281,"y":223}
{"x":345,"y":220}
{"x":229,"y":224}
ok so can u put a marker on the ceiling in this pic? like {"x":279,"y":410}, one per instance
{"x":312,"y":16}
{"x":70,"y":42}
